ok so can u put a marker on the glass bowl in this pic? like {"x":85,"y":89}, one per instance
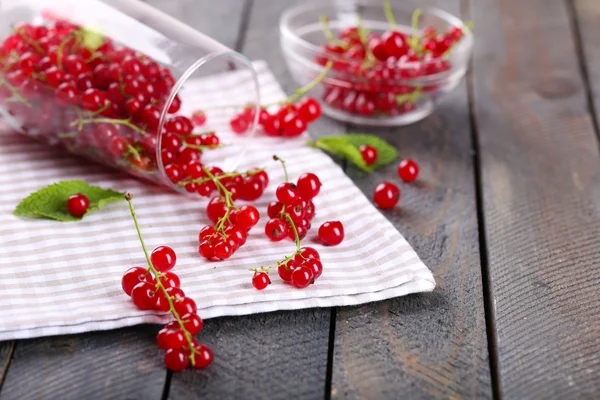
{"x":117,"y":82}
{"x":372,"y":90}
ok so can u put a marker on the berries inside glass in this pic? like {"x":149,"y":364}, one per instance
{"x":384,"y":70}
{"x":107,"y":96}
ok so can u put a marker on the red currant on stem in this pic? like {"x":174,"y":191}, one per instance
{"x":177,"y":336}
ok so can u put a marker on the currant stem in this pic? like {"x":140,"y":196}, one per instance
{"x":30,"y":42}
{"x":204,"y":146}
{"x":389,"y":14}
{"x":325,"y":27}
{"x":296,"y":237}
{"x":285,"y":174}
{"x":414,"y":40}
{"x":159,"y":284}
{"x":222,"y":176}
{"x":220,"y":225}
{"x":309,"y":86}
{"x":125,"y":122}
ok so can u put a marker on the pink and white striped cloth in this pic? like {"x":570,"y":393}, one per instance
{"x":63,"y":278}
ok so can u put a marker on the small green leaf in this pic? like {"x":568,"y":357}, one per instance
{"x":51,"y":201}
{"x":347,"y":146}
{"x":92,"y":39}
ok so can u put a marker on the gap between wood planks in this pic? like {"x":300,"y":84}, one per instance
{"x":583,"y":69}
{"x":9,"y":356}
{"x":488,"y":298}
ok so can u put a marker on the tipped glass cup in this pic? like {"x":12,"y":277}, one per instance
{"x":136,"y":59}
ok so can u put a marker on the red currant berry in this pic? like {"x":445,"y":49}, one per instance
{"x":199,"y":118}
{"x":309,"y":212}
{"x":386,"y":195}
{"x":168,"y":280}
{"x":203,"y":356}
{"x":239,"y":124}
{"x":206,"y":232}
{"x":293,"y":126}
{"x":216,"y":209}
{"x":302,"y":277}
{"x":171,"y":141}
{"x":223,"y":250}
{"x":66,"y":93}
{"x":78,"y":204}
{"x":408,"y":170}
{"x":132,"y":277}
{"x":174,"y":173}
{"x":308,"y":186}
{"x":306,"y":253}
{"x":251,"y":189}
{"x":276,"y":229}
{"x":260,"y":280}
{"x":161,"y":338}
{"x":94,"y":100}
{"x":275,"y":209}
{"x":192,"y":323}
{"x":315,"y":266}
{"x":247,"y":217}
{"x":285,"y":270}
{"x":163,"y":258}
{"x":309,"y":109}
{"x":176,"y":360}
{"x":74,"y":65}
{"x":175,"y":339}
{"x":206,"y":249}
{"x":185,"y":306}
{"x":331,"y":233}
{"x":188,"y":155}
{"x":239,"y":234}
{"x":143,"y":295}
{"x":286,"y":193}
{"x":395,"y":44}
{"x":368,"y":153}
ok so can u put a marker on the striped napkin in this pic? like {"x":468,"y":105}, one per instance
{"x":63,"y":278}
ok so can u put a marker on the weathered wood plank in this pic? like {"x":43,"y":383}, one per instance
{"x":431,"y":345}
{"x":124,"y":363}
{"x":540,"y":172}
{"x":586,"y":17}
{"x":6,"y":349}
{"x":281,"y":355}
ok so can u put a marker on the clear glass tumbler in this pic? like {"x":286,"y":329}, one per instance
{"x":110,"y":80}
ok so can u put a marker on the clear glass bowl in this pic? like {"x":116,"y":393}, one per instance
{"x":108,"y":80}
{"x":405,"y":92}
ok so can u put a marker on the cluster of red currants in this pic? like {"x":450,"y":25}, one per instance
{"x":377,"y":74}
{"x":231,"y":224}
{"x":289,"y":120}
{"x":295,"y":201}
{"x":158,"y":288}
{"x":103,"y":102}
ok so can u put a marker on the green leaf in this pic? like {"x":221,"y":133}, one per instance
{"x":92,"y":39}
{"x":347,"y":147}
{"x":51,"y":201}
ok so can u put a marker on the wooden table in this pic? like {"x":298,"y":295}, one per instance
{"x":507,"y":215}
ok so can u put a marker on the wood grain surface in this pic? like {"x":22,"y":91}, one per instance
{"x":540,"y":172}
{"x":430,"y":345}
{"x":118,"y":364}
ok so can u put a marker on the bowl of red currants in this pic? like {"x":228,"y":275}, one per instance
{"x":104,"y":79}
{"x":385,"y":65}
